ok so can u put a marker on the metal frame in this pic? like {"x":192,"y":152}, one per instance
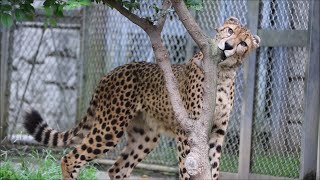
{"x":5,"y":45}
{"x":248,"y":98}
{"x":311,"y":114}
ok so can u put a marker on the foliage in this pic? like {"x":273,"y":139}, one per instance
{"x":20,"y":10}
{"x":15,"y":9}
{"x":36,"y":165}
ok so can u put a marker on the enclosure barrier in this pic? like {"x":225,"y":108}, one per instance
{"x":273,"y":130}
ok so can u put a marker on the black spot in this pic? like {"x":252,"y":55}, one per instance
{"x":147,"y":139}
{"x":82,"y":157}
{"x":125,"y":156}
{"x":103,"y":125}
{"x":89,"y":150}
{"x":214,"y":165}
{"x":218,"y":148}
{"x":146,"y":150}
{"x":94,"y":130}
{"x":220,"y":131}
{"x":140,"y":146}
{"x":109,"y":144}
{"x":184,"y":170}
{"x":96,"y":151}
{"x":98,"y":139}
{"x":155,"y":140}
{"x":211,"y":145}
{"x":135,"y":156}
{"x":74,"y":151}
{"x":91,"y":141}
{"x":127,"y":164}
{"x":113,"y":122}
{"x":76,"y":156}
{"x":83,"y":147}
{"x":119,"y":135}
{"x":117,"y":170}
{"x":108,"y":136}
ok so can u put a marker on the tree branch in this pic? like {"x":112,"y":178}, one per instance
{"x":197,"y":163}
{"x":141,"y":22}
{"x":165,"y":6}
{"x":190,"y":24}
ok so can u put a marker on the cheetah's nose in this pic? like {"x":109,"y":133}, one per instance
{"x":227,"y":46}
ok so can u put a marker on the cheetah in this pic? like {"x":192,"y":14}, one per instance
{"x":133,"y":99}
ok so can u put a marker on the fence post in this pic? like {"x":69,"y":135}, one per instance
{"x":5,"y":45}
{"x":248,"y":97}
{"x":311,"y":109}
{"x":318,"y":165}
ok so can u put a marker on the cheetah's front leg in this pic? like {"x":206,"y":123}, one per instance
{"x":215,"y":144}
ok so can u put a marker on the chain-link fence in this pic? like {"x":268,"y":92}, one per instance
{"x":43,"y":68}
{"x":56,"y":69}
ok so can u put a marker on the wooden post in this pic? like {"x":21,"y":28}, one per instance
{"x":311,"y":109}
{"x":248,"y":97}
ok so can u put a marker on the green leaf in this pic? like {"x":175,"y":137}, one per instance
{"x":48,"y":3}
{"x":27,"y":7}
{"x":20,"y":15}
{"x":53,"y":22}
{"x":72,"y":4}
{"x":5,"y":7}
{"x":6,"y":19}
{"x":194,"y":4}
{"x":58,"y":11}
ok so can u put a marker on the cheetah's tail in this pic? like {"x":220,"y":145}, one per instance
{"x":39,"y":129}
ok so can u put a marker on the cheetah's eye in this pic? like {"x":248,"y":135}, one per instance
{"x":242,"y":43}
{"x":230,"y":31}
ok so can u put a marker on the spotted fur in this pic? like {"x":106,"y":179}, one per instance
{"x":133,"y":99}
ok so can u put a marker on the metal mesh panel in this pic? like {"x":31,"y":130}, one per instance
{"x":43,"y":67}
{"x":215,"y":13}
{"x":278,"y":112}
{"x":284,"y":14}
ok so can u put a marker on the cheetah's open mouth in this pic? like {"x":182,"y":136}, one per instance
{"x":222,"y":56}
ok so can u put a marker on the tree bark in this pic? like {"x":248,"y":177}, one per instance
{"x":197,"y":163}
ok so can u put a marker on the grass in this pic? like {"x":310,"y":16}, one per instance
{"x":285,"y":165}
{"x":46,"y":165}
{"x":35,"y":165}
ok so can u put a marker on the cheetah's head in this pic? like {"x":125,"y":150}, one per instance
{"x":235,"y":42}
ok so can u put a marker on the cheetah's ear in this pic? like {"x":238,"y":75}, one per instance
{"x":256,"y":41}
{"x":232,"y":20}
